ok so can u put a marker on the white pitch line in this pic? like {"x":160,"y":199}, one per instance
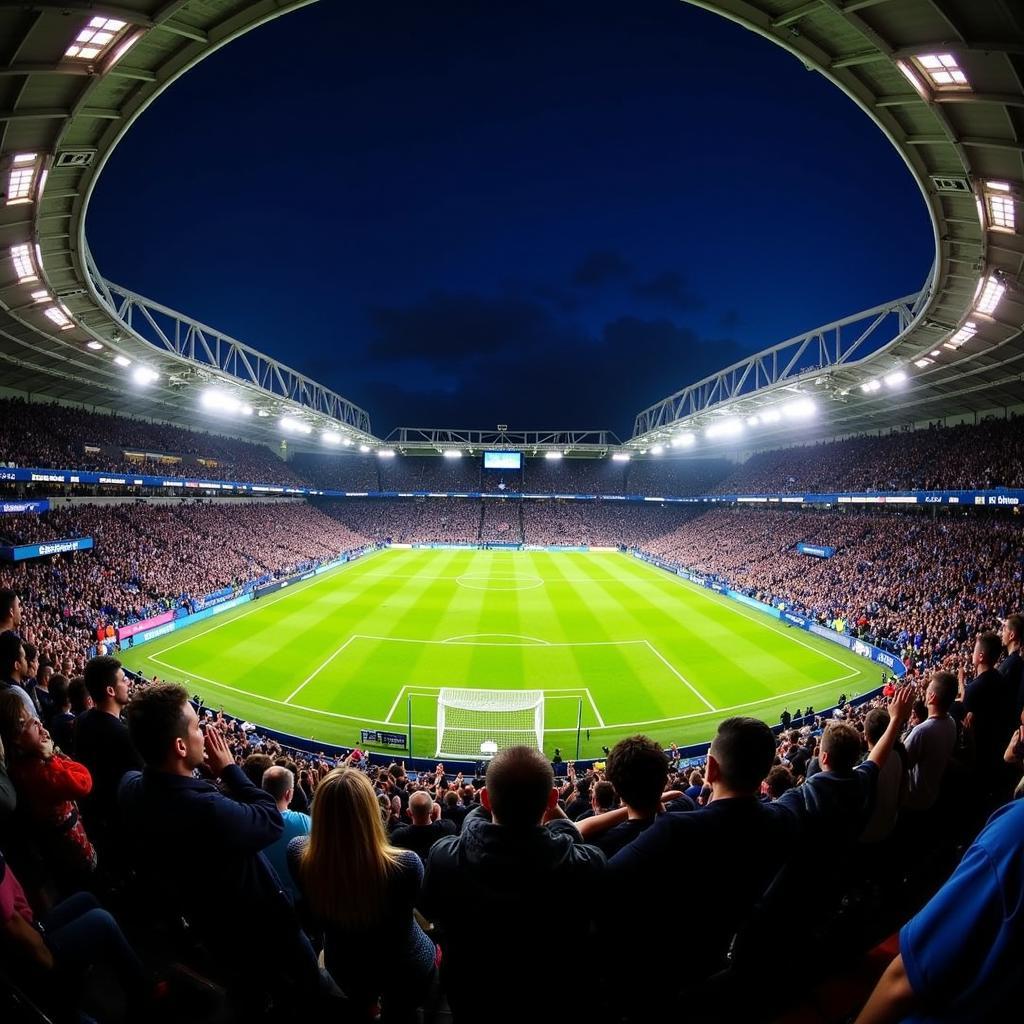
{"x":391,"y":711}
{"x":679,"y":675}
{"x":470,"y":643}
{"x":258,"y":604}
{"x":534,"y":641}
{"x":320,"y":668}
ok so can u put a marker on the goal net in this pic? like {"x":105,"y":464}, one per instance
{"x":479,"y":723}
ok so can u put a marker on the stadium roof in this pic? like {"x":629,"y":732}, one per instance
{"x":944,"y":79}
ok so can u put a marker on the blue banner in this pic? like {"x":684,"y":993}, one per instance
{"x":817,"y":550}
{"x":20,"y":552}
{"x":16,"y":507}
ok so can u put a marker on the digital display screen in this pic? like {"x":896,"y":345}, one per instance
{"x":503,"y":460}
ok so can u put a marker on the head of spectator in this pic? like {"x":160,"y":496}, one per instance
{"x":740,"y":756}
{"x":841,"y":748}
{"x":31,"y":660}
{"x":987,"y":649}
{"x":603,"y":797}
{"x":13,"y":663}
{"x":165,"y":730}
{"x":279,"y":782}
{"x":345,"y":867}
{"x":638,"y":769}
{"x":421,"y":807}
{"x":1013,"y":629}
{"x":255,"y":766}
{"x":78,"y":695}
{"x":23,"y":736}
{"x":520,"y":788}
{"x":941,"y":694}
{"x":58,"y":690}
{"x":43,"y":677}
{"x":10,"y":610}
{"x":780,"y":780}
{"x":107,"y":685}
{"x":875,"y":723}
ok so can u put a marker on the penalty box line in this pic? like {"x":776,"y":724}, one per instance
{"x":562,"y":693}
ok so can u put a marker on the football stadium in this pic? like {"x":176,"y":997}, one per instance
{"x":308,"y":716}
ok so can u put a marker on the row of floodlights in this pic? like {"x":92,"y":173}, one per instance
{"x":734,"y":426}
{"x":987,"y":296}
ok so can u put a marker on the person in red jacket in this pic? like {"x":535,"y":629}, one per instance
{"x":48,"y":786}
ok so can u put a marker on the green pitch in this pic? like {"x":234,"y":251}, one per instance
{"x":643,"y":650}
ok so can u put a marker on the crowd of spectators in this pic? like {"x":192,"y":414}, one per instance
{"x":61,"y":437}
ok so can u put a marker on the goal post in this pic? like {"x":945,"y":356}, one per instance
{"x":479,"y":723}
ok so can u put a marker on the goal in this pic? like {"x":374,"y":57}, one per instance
{"x":479,"y":723}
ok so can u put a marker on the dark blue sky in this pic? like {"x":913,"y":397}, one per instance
{"x":546,"y":214}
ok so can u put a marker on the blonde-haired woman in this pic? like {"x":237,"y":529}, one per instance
{"x":361,"y":891}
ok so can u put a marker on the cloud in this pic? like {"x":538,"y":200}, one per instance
{"x":601,"y":267}
{"x":670,"y":289}
{"x":470,"y":360}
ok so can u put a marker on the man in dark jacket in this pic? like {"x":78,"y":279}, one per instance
{"x":184,"y":828}
{"x":990,"y":705}
{"x":508,"y":886}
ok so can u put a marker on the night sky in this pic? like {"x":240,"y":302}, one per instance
{"x":545,"y":214}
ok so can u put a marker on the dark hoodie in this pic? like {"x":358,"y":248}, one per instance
{"x":509,"y":904}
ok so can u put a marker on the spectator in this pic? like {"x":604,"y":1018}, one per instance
{"x":989,"y":706}
{"x":177,"y":822}
{"x":13,"y":669}
{"x":427,"y":826}
{"x":102,"y":744}
{"x":362,"y":891}
{"x":890,"y":781}
{"x":61,"y":720}
{"x":516,"y":873}
{"x":959,"y":957}
{"x":10,"y":611}
{"x":930,"y":745}
{"x":48,"y":786}
{"x":454,"y":810}
{"x":279,"y":782}
{"x":1012,"y":666}
{"x":722,"y":838}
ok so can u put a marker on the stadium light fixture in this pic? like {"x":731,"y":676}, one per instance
{"x":658,"y":449}
{"x":895,"y":379}
{"x":386,"y":453}
{"x":95,"y":38}
{"x":59,"y":317}
{"x":452,"y":453}
{"x":961,"y":337}
{"x":726,"y":428}
{"x":553,"y":456}
{"x":143,"y":375}
{"x":799,"y":409}
{"x":942,"y":71}
{"x":331,"y":437}
{"x":246,"y":409}
{"x":21,"y":179}
{"x":364,"y":448}
{"x":923,"y":362}
{"x":24,"y":267}
{"x":218,"y":401}
{"x":621,"y":457}
{"x":991,"y":291}
{"x":94,"y":345}
{"x":935,"y":352}
{"x":869,"y":387}
{"x":347,"y":441}
{"x":122,"y":361}
{"x":753,"y":421}
{"x":771,"y":416}
{"x":290,"y":425}
{"x":41,"y":296}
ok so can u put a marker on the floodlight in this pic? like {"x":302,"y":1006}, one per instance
{"x":246,"y":410}
{"x":895,"y":379}
{"x":753,"y":421}
{"x":293,"y":426}
{"x":452,"y":453}
{"x":94,"y":37}
{"x":143,"y":375}
{"x":725,"y":428}
{"x":869,"y":387}
{"x":21,"y":179}
{"x":658,"y":449}
{"x":961,"y":337}
{"x":935,"y":352}
{"x":331,"y":437}
{"x":347,"y":441}
{"x":24,"y":268}
{"x":364,"y":447}
{"x":923,"y":362}
{"x":943,"y":71}
{"x":552,"y":455}
{"x":991,"y":292}
{"x":771,"y":416}
{"x":386,"y":453}
{"x":1001,"y":212}
{"x":41,"y":296}
{"x":122,"y":360}
{"x":799,"y":409}
{"x":59,"y":317}
{"x":621,"y":457}
{"x":94,"y":345}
